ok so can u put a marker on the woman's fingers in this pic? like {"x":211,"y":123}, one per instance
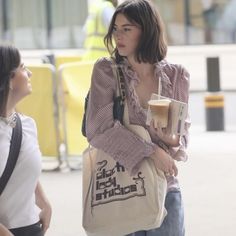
{"x":175,"y":170}
{"x":172,"y":169}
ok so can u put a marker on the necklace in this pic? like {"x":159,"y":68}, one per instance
{"x":10,"y":120}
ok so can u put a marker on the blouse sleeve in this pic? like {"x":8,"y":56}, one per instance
{"x":103,"y":131}
{"x":182,"y":94}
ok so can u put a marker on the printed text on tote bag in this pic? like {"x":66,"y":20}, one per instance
{"x":107,"y":187}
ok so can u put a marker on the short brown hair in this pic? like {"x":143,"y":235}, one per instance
{"x":152,"y":46}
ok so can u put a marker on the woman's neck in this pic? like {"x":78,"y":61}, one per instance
{"x":10,"y":108}
{"x":144,"y":70}
{"x":8,"y":113}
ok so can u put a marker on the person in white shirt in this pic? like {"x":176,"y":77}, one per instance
{"x":24,"y":208}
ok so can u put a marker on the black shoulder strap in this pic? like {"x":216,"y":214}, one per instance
{"x":13,"y":154}
{"x":121,"y":84}
{"x":83,"y":127}
{"x":118,"y":108}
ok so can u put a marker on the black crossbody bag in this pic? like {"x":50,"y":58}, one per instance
{"x":13,"y":154}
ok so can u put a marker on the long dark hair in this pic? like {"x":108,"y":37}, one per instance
{"x":9,"y":61}
{"x":152,"y":46}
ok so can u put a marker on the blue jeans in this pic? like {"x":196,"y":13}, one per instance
{"x":173,"y":224}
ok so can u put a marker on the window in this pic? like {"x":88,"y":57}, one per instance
{"x":34,"y":24}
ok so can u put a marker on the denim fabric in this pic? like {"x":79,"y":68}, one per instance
{"x":173,"y":224}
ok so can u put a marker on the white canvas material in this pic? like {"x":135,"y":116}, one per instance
{"x":115,"y":203}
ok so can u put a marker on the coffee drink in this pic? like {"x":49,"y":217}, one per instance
{"x":160,"y":111}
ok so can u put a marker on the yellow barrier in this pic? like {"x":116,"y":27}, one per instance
{"x":62,"y":59}
{"x":74,"y":82}
{"x":42,"y":106}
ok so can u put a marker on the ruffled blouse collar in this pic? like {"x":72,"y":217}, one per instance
{"x":133,"y":79}
{"x":10,"y":120}
{"x":131,"y":74}
{"x":159,"y":72}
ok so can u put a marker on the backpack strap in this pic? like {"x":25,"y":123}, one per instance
{"x":13,"y":154}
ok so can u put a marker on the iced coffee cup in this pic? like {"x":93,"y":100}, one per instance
{"x":160,"y":111}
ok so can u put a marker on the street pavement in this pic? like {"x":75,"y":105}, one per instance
{"x":207,"y":183}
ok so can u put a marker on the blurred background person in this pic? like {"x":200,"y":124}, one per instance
{"x":226,"y":24}
{"x":210,"y":15}
{"x":96,"y":26}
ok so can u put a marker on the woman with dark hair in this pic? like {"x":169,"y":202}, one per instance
{"x":24,"y":208}
{"x":140,"y":50}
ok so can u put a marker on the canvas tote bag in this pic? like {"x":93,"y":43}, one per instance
{"x":115,"y":203}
